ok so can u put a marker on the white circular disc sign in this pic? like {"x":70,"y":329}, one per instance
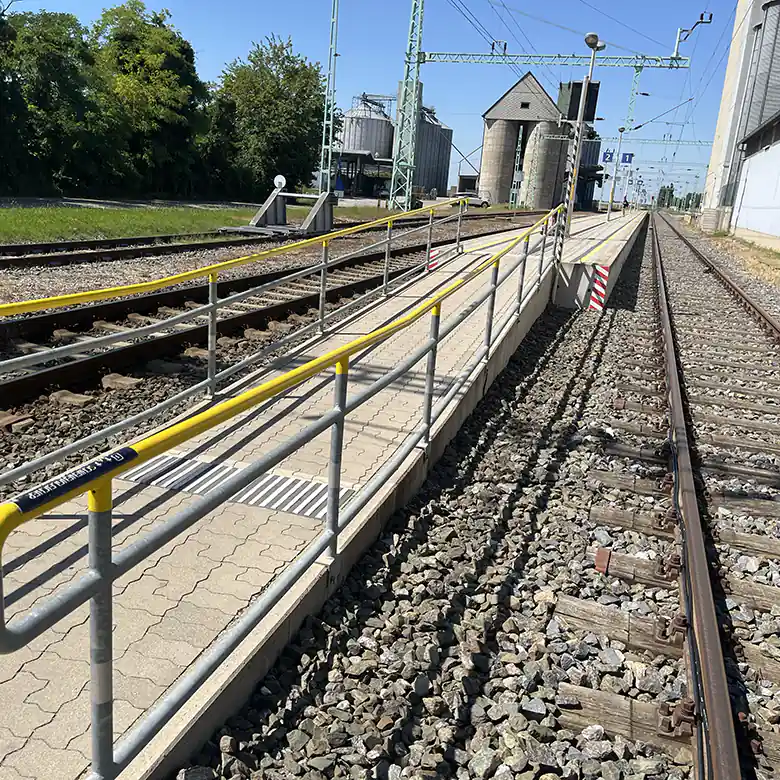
{"x":279,"y":182}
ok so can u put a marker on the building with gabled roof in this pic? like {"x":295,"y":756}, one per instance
{"x":523,"y":156}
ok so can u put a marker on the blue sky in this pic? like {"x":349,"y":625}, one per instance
{"x":372,"y":40}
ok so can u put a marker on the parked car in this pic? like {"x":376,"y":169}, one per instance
{"x":472,"y":199}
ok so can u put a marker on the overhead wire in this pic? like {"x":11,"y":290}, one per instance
{"x":722,"y":56}
{"x":461,"y":7}
{"x":551,"y":78}
{"x":513,"y":10}
{"x":530,"y":43}
{"x":668,"y":111}
{"x":701,"y":90}
{"x":688,"y":81}
{"x":622,"y":24}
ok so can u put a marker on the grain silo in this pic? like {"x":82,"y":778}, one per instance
{"x":517,"y":125}
{"x":499,"y":145}
{"x":432,"y":157}
{"x":367,"y":128}
{"x":523,"y":154}
{"x":544,"y":166}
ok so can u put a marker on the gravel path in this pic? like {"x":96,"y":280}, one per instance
{"x":44,"y":281}
{"x":440,"y":656}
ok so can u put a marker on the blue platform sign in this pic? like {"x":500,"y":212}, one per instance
{"x":627,"y":158}
{"x":608,"y":156}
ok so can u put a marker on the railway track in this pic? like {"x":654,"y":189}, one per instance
{"x":720,"y":522}
{"x":102,"y":250}
{"x":732,"y":423}
{"x":39,"y":334}
{"x":587,"y":586}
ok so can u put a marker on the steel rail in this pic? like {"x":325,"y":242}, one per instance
{"x":160,"y":339}
{"x":404,"y":281}
{"x":107,"y":293}
{"x":742,"y":297}
{"x":150,"y":341}
{"x":109,"y":249}
{"x":715,"y":717}
{"x":79,"y":315}
{"x":32,"y":248}
{"x":11,"y":515}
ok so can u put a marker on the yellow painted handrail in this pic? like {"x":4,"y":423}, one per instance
{"x":12,"y":515}
{"x":106,"y":293}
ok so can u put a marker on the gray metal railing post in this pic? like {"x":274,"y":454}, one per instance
{"x":521,"y":281}
{"x":430,"y":372}
{"x":100,"y":633}
{"x":460,"y":223}
{"x":545,"y":228}
{"x":559,"y":239}
{"x":336,"y":453}
{"x":386,"y":276}
{"x":430,"y":241}
{"x":491,"y":308}
{"x":212,"y":335}
{"x":323,"y":285}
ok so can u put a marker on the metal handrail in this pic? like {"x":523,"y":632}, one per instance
{"x":209,"y":385}
{"x":95,"y":478}
{"x":70,"y":299}
{"x":180,"y":432}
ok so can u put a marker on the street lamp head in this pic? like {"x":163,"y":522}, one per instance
{"x":621,"y":129}
{"x":592,"y":40}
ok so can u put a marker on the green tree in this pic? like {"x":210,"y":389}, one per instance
{"x":278,"y":102}
{"x":54,"y":68}
{"x":218,"y":148}
{"x":150,"y":81}
{"x":14,"y":158}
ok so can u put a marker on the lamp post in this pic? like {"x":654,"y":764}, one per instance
{"x":594,"y":44}
{"x":621,"y":130}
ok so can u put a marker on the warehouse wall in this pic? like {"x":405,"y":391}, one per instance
{"x":757,"y":206}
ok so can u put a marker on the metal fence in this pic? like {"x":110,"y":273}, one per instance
{"x":95,"y":479}
{"x":208,"y":387}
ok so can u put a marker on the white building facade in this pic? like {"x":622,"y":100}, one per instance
{"x":741,"y":192}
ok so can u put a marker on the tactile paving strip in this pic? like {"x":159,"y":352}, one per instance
{"x":296,"y":495}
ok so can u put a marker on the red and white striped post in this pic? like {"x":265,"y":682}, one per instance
{"x":433,"y":259}
{"x":598,"y":292}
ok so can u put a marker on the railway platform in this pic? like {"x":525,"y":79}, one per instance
{"x":178,"y":603}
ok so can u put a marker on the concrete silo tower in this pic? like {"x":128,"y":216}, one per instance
{"x":516,"y":153}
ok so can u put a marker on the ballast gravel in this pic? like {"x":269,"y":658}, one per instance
{"x":440,"y":655}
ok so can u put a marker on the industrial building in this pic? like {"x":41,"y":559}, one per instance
{"x":364,"y":149}
{"x":524,"y":149}
{"x":741,"y":192}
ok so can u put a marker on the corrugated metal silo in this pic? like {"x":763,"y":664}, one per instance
{"x":432,"y":160}
{"x":368,"y":128}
